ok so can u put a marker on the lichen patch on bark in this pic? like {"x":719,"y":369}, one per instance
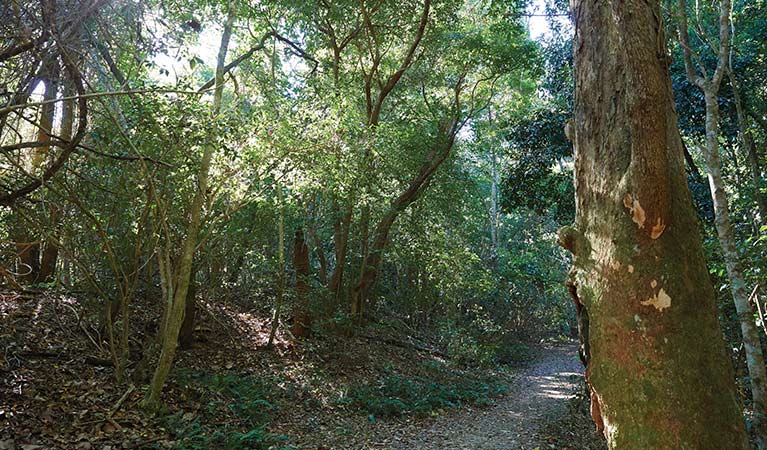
{"x":660,"y":301}
{"x":637,"y":212}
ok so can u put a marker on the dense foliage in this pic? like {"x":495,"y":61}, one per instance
{"x":417,"y":148}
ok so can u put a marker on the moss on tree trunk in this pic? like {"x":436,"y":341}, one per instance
{"x":657,"y":369}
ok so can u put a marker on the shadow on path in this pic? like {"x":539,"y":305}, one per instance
{"x":539,"y":395}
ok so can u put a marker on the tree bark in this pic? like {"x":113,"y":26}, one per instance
{"x":177,"y":302}
{"x":710,"y":88}
{"x":186,"y":333}
{"x":372,"y":261}
{"x":302,"y":319}
{"x":280,"y":268}
{"x":657,"y":366}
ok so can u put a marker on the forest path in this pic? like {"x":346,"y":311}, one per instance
{"x":539,"y":395}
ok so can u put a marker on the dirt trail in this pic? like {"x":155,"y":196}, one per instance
{"x":540,"y":395}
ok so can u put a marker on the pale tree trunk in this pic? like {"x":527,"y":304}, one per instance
{"x":657,"y":369}
{"x":710,"y":87}
{"x":738,"y":289}
{"x":494,"y":182}
{"x":280,"y":269}
{"x":176,"y":304}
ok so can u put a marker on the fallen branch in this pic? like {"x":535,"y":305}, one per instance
{"x":119,"y":403}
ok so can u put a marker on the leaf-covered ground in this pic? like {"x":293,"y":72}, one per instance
{"x":540,"y":411}
{"x":385,"y":388}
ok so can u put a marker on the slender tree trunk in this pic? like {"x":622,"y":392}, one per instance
{"x":177,"y":299}
{"x":312,"y":231}
{"x":323,"y":261}
{"x":372,"y":261}
{"x":369,"y":269}
{"x":340,"y":241}
{"x":727,"y":241}
{"x":45,"y":126}
{"x":302,"y":319}
{"x":50,"y":249}
{"x":710,"y":87}
{"x":494,"y":181}
{"x":358,"y":301}
{"x":280,"y":269}
{"x":28,"y":252}
{"x":31,"y":257}
{"x":186,"y":334}
{"x":657,"y":367}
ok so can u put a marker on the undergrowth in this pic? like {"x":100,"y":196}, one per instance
{"x":396,"y":394}
{"x":246,"y":398}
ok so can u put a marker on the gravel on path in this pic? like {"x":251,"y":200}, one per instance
{"x":539,"y":395}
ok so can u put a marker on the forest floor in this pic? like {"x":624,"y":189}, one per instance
{"x":385,"y":388}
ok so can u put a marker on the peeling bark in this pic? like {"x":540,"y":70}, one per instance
{"x":657,"y":365}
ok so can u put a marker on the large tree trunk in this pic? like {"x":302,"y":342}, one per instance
{"x":658,"y":372}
